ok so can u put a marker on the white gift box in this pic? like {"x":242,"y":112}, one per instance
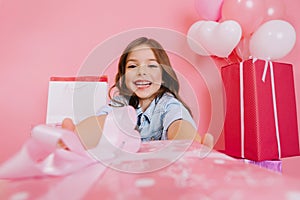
{"x":75,"y":97}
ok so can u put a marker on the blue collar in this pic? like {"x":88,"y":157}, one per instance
{"x":149,"y":111}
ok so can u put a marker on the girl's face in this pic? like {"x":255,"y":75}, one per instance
{"x":143,"y":74}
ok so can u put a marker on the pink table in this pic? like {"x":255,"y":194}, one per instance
{"x":160,"y":170}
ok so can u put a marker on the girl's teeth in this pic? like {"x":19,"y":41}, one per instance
{"x":142,"y":83}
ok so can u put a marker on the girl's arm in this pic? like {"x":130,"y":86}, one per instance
{"x":89,"y":130}
{"x":182,"y":129}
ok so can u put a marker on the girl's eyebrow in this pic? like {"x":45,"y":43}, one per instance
{"x":129,"y":60}
{"x":136,"y":60}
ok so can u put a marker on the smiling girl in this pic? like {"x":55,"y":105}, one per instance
{"x":147,"y":82}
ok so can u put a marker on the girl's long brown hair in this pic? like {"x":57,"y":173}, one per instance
{"x":170,"y":82}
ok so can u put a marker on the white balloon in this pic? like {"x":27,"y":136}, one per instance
{"x":213,"y":38}
{"x":194,"y":39}
{"x":272,"y":40}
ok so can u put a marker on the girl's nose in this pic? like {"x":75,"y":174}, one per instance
{"x":142,"y":70}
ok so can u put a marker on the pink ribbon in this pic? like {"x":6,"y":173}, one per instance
{"x":40,"y":155}
{"x":118,"y":134}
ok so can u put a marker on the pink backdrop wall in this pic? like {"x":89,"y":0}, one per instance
{"x":39,"y":39}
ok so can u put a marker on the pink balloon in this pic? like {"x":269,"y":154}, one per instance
{"x":272,"y":40}
{"x":209,"y":9}
{"x":275,"y":9}
{"x":248,"y":13}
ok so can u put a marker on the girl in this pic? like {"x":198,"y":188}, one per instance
{"x":146,"y":81}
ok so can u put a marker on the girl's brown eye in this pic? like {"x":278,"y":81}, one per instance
{"x":131,"y":66}
{"x":152,"y":66}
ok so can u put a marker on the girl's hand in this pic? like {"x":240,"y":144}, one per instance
{"x":67,"y":124}
{"x":208,"y":140}
{"x":61,"y":145}
{"x":181,"y":129}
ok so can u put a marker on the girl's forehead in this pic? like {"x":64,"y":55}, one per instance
{"x":141,"y":47}
{"x":141,"y":52}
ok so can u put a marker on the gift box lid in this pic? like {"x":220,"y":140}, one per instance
{"x":102,"y":78}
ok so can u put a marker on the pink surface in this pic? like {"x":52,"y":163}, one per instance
{"x":151,"y":174}
{"x":290,"y":167}
{"x":52,"y":38}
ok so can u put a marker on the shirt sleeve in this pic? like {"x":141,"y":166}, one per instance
{"x":175,"y":110}
{"x":118,"y":101}
{"x":104,"y":110}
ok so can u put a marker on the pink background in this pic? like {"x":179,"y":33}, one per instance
{"x":40,"y":39}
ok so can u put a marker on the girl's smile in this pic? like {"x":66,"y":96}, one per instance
{"x":142,"y":84}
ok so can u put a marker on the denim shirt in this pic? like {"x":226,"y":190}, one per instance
{"x":155,"y":121}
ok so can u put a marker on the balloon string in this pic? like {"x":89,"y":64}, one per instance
{"x":236,"y":56}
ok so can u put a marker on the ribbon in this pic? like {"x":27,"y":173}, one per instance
{"x":268,"y":64}
{"x":41,"y":155}
{"x":242,"y":109}
{"x":119,"y":135}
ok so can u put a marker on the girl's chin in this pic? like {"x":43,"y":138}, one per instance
{"x":145,"y":92}
{"x":143,"y":95}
